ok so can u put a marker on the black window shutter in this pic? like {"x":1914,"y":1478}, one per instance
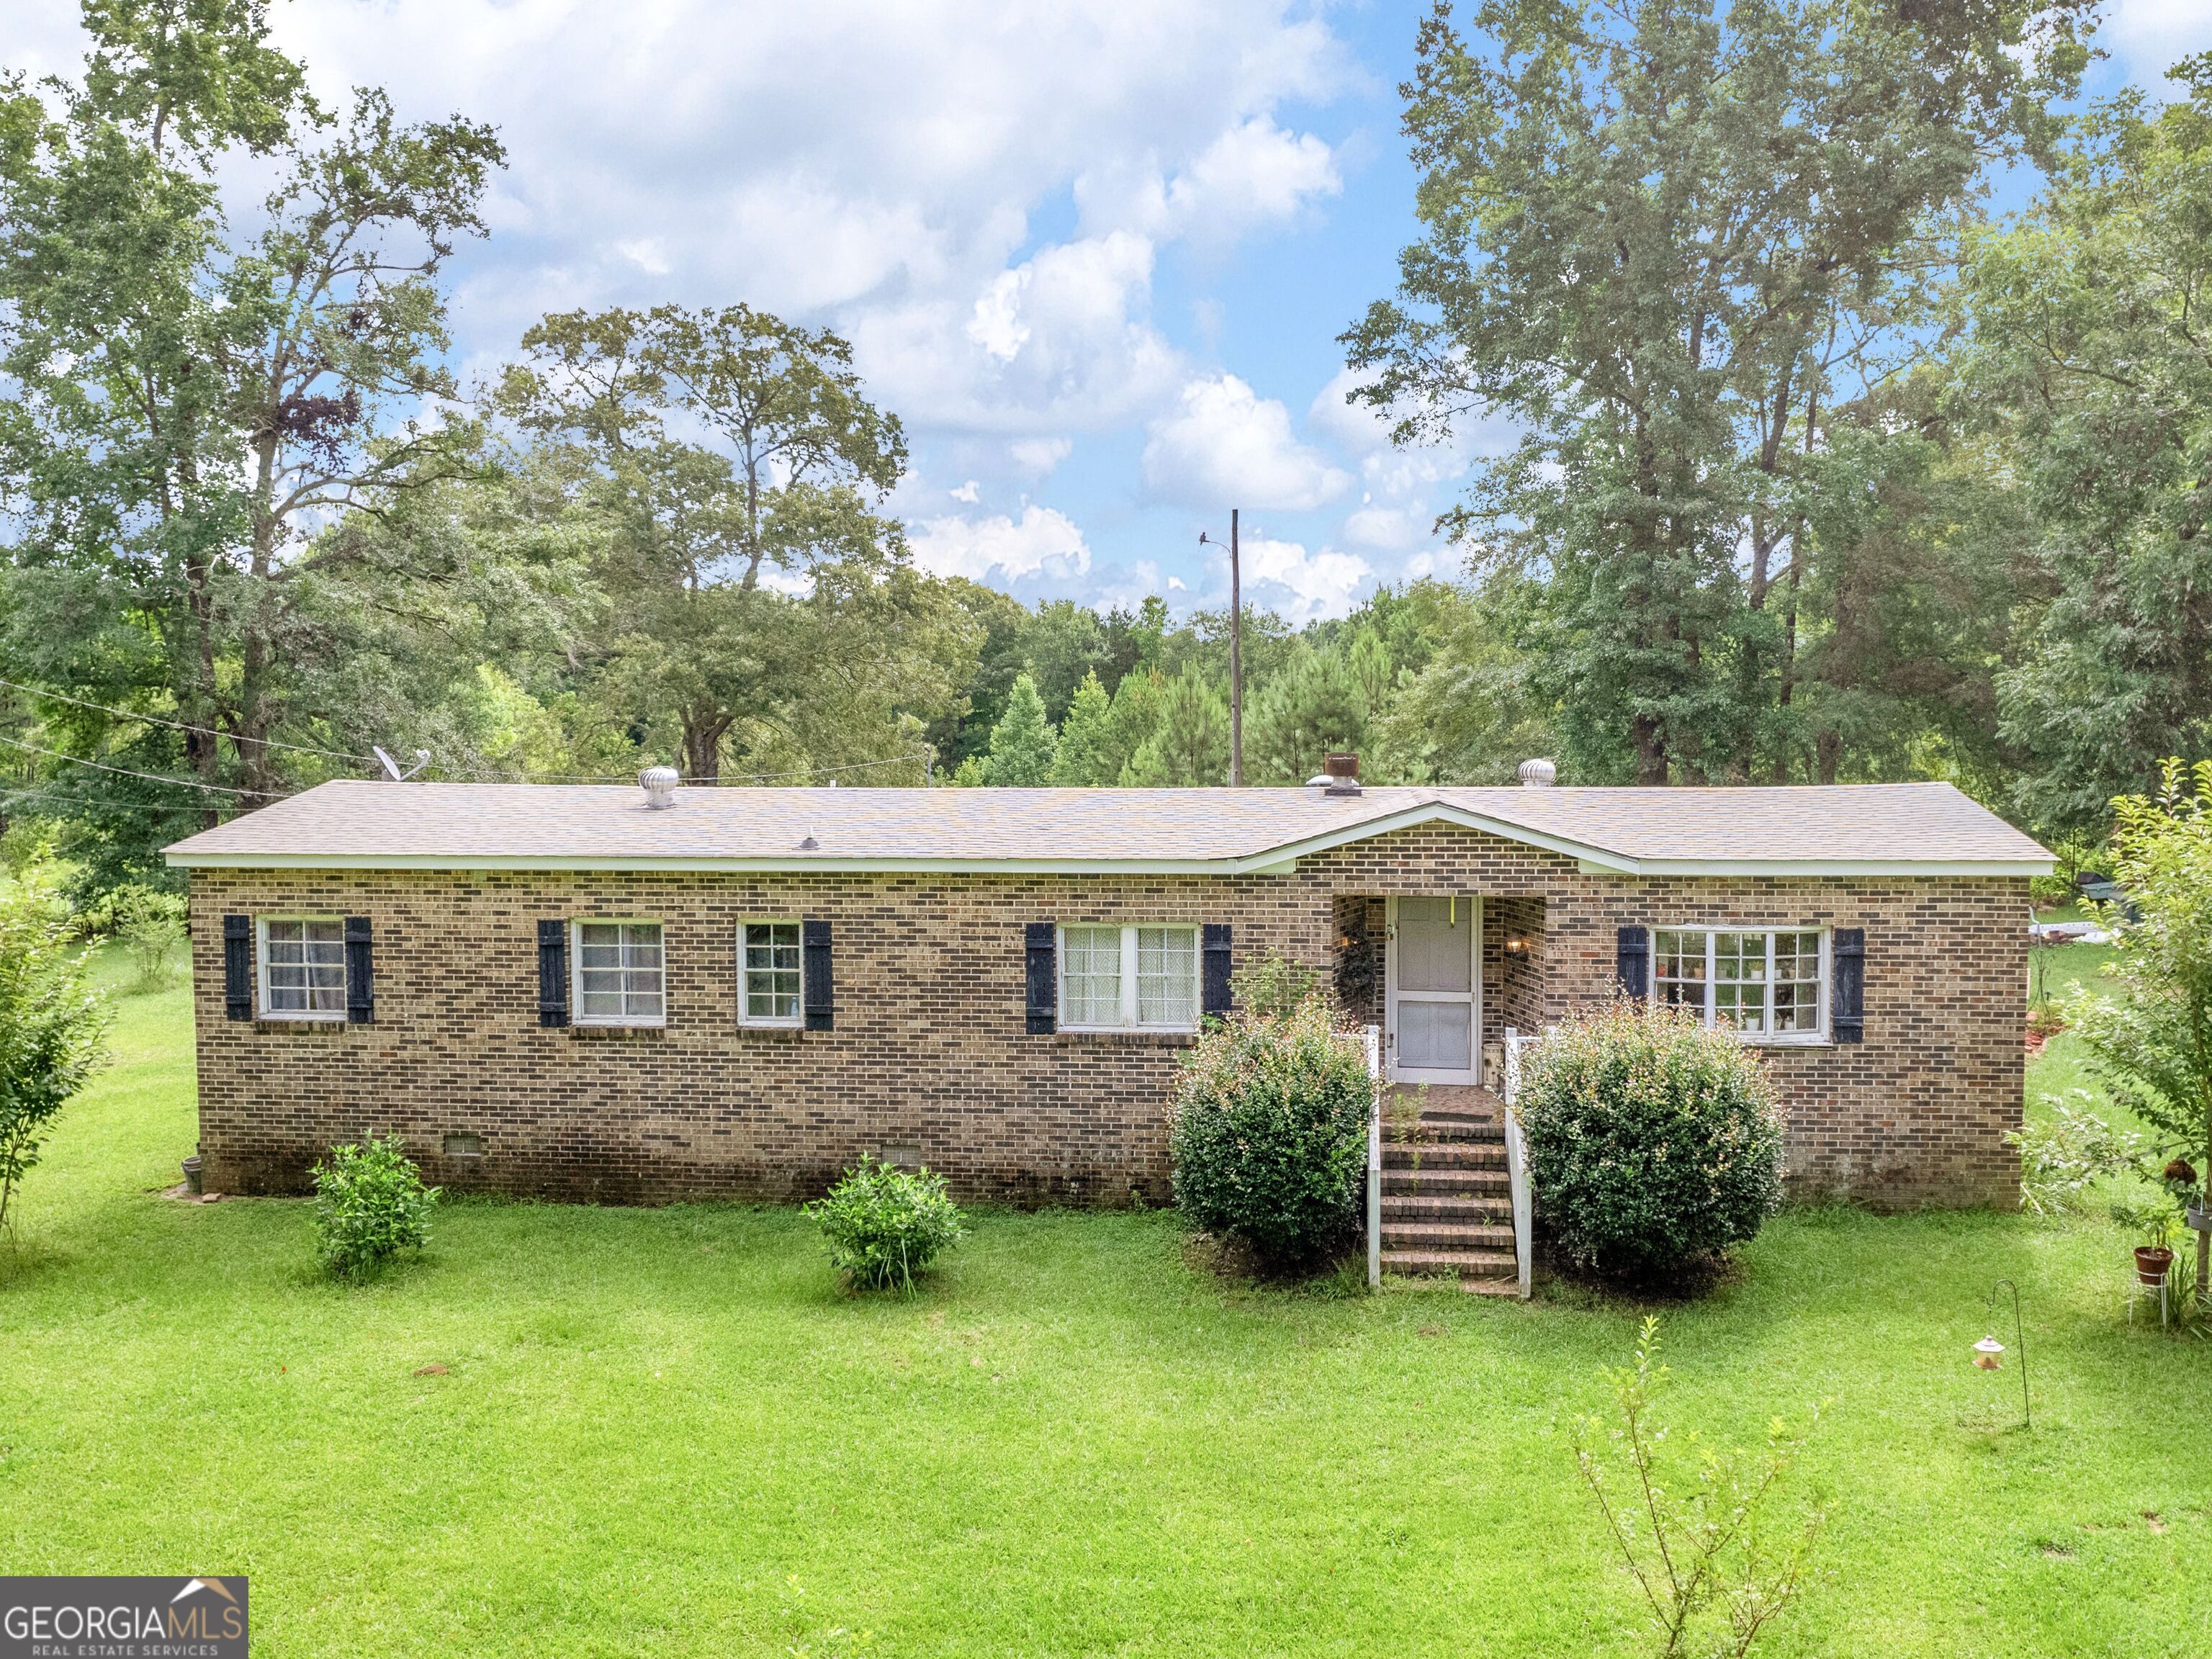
{"x":361,"y":972}
{"x":552,"y":973}
{"x":1043,"y":952}
{"x":238,"y":966}
{"x":1847,"y":1001}
{"x":821,"y":986}
{"x":1213,"y":975}
{"x":1633,"y":960}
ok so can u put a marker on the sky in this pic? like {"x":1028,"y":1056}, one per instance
{"x":1095,"y":254}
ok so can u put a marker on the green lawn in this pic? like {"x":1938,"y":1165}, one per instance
{"x":664,"y":1433}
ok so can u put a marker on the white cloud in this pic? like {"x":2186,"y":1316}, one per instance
{"x":2151,"y":35}
{"x":1061,"y":341}
{"x":1223,"y":445}
{"x":1038,"y":456}
{"x":971,"y":492}
{"x":1042,"y":542}
{"x":1299,"y":585}
{"x":1252,"y":175}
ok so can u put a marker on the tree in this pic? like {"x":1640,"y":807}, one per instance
{"x":792,"y":480}
{"x":1659,"y":234}
{"x":52,"y":1024}
{"x":1313,"y":704}
{"x":1085,"y":758}
{"x":190,"y":405}
{"x":2151,"y":1041}
{"x":2089,"y":366}
{"x":1022,"y":744}
{"x":1189,"y":743}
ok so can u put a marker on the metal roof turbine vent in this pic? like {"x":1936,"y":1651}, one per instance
{"x":1537,"y":774}
{"x":660,"y":783}
{"x":1342,"y":771}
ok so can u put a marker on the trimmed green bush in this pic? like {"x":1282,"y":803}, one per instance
{"x":884,"y":1225}
{"x":1655,"y":1143}
{"x":1269,"y":1133}
{"x":370,"y":1204}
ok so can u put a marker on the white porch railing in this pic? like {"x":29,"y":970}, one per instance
{"x":1373,"y":1036}
{"x":1517,"y":1166}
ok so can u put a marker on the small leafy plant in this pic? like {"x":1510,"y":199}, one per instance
{"x":2068,"y":1150}
{"x":1269,"y":1133}
{"x":150,"y":924}
{"x":1716,"y":1566}
{"x":370,"y":1204}
{"x":884,"y":1225}
{"x":1655,"y":1143}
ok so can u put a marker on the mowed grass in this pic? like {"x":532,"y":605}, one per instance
{"x":667,"y":1432}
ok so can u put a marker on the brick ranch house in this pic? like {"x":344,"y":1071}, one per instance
{"x":564,"y":991}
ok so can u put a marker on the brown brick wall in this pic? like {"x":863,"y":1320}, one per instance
{"x":930,"y":1051}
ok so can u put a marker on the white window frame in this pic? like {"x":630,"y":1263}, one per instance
{"x":1129,"y":1021}
{"x":1770,"y":1038}
{"x":268,"y":1010}
{"x":576,"y":926}
{"x":746,"y":1016}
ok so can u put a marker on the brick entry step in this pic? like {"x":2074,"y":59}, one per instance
{"x":1447,"y":1201}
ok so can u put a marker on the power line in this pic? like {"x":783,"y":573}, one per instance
{"x":184,"y":726}
{"x":126,"y":772}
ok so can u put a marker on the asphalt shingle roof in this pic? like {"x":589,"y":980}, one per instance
{"x":354,"y":823}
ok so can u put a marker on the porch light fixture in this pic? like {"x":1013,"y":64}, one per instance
{"x":1516,"y":945}
{"x":1988,"y":1352}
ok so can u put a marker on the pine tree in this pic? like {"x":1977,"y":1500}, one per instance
{"x":1022,"y":743}
{"x":1313,"y":704}
{"x":1190,"y":744}
{"x":1086,"y":757}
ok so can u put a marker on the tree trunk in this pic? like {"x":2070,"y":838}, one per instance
{"x":703,"y":730}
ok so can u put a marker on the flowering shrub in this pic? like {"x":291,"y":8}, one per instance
{"x":882,"y":1225}
{"x":1655,"y":1143}
{"x":370,"y":1204}
{"x":1269,"y":1133}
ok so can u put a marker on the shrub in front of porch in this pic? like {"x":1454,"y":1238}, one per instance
{"x":1270,"y":1134}
{"x":1654,"y":1145}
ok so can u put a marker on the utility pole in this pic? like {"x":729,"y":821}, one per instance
{"x":1236,"y":654}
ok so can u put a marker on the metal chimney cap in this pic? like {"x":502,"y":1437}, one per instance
{"x":1537,"y":774}
{"x":660,"y":783}
{"x":1342,"y":768}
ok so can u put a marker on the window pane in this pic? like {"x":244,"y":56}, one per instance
{"x":772,"y":970}
{"x":1678,"y":963}
{"x":1796,"y":983}
{"x":306,"y":969}
{"x":619,"y":975}
{"x":1090,"y":976}
{"x":1740,"y":981}
{"x":1167,"y":976}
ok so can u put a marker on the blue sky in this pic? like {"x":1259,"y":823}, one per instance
{"x":1095,"y":254}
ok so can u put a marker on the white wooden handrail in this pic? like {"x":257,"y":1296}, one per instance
{"x":1375,"y":1159}
{"x":1517,"y":1167}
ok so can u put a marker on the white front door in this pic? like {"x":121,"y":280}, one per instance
{"x":1435,"y":989}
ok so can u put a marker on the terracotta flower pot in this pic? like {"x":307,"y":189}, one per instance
{"x":2152,"y":1262}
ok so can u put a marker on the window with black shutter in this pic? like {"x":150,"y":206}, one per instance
{"x":1040,"y":952}
{"x":238,"y":966}
{"x":821,"y":987}
{"x":1633,"y":961}
{"x":1847,"y":1005}
{"x":360,"y":972}
{"x":553,"y":973}
{"x":1213,"y":969}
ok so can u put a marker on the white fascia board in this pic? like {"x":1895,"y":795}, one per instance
{"x":1822,"y":868}
{"x":1268,"y":864}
